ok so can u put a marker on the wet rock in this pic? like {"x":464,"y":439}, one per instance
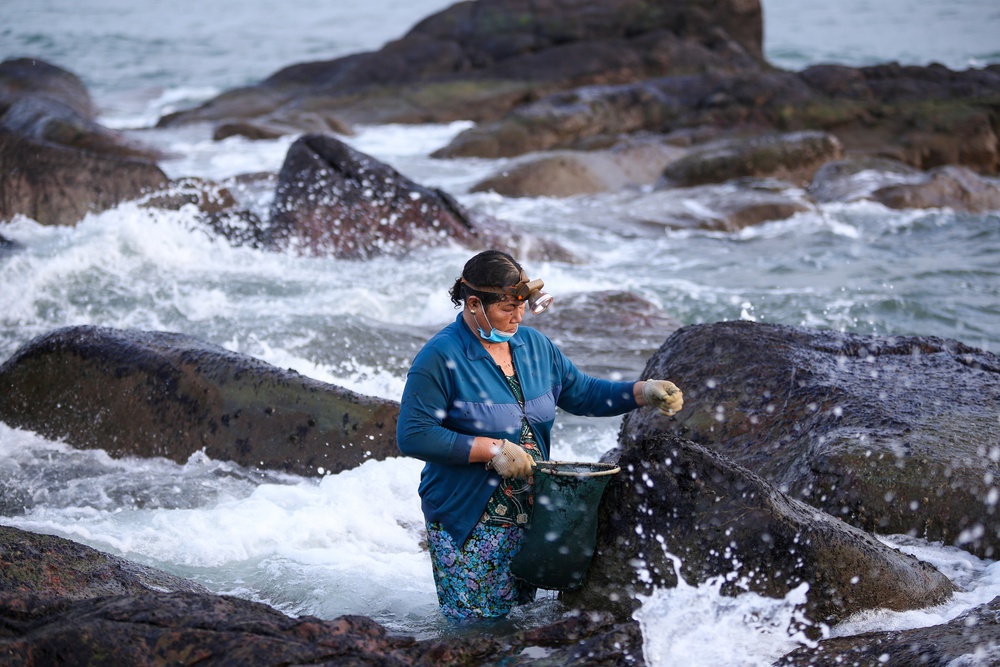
{"x":218,"y":210}
{"x":135,"y":393}
{"x":891,"y":434}
{"x":478,"y":60}
{"x":970,"y":639}
{"x":923,"y":116}
{"x":65,"y":603}
{"x":334,"y":200}
{"x":723,"y":208}
{"x":6,"y":245}
{"x":58,"y":163}
{"x":792,"y":157}
{"x":675,"y":497}
{"x":567,"y":173}
{"x":857,"y":178}
{"x":956,"y":188}
{"x":45,"y":567}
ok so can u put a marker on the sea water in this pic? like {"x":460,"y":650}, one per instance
{"x":352,"y":542}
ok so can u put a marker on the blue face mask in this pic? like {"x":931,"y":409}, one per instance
{"x":494,"y":336}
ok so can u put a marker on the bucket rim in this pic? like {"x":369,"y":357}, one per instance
{"x":610,"y":468}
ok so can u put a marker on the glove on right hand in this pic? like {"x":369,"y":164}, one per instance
{"x":510,"y":460}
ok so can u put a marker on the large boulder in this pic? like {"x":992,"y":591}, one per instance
{"x":675,"y":498}
{"x":334,"y":200}
{"x":892,"y":434}
{"x":923,"y":116}
{"x":478,"y":60}
{"x":58,"y":163}
{"x":137,"y":393}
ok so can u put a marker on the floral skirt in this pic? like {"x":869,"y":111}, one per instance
{"x":473,"y":580}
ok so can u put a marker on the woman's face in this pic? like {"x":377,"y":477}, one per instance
{"x":504,"y":315}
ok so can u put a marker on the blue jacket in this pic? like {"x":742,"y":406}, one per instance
{"x":454,"y":391}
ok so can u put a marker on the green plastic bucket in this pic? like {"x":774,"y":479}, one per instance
{"x":560,"y":538}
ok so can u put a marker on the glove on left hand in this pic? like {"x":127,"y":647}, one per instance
{"x":663,"y":395}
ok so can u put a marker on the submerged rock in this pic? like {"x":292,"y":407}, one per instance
{"x":567,"y":173}
{"x":792,"y":157}
{"x":951,"y":187}
{"x":138,"y":393}
{"x":58,"y":163}
{"x":676,"y":498}
{"x":334,"y":200}
{"x":891,"y":434}
{"x":972,"y":639}
{"x":857,"y":178}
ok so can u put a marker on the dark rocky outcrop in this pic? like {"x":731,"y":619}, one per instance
{"x":58,"y":162}
{"x":478,"y":60}
{"x":334,"y":200}
{"x":676,"y":497}
{"x":970,"y":639}
{"x":923,"y":116}
{"x":891,"y":434}
{"x":164,"y":394}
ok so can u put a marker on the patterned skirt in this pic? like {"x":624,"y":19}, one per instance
{"x":473,"y":580}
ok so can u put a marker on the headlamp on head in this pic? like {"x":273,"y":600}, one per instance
{"x":525,"y":290}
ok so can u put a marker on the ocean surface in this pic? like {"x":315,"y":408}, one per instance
{"x":350,"y":543}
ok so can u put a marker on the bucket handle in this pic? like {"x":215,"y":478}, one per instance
{"x":599,"y":473}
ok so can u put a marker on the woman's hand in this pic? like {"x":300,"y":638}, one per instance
{"x":663,"y":395}
{"x":510,"y":460}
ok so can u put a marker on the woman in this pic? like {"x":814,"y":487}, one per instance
{"x":478,"y":407}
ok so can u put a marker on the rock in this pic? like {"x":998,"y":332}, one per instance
{"x":567,"y":173}
{"x":135,"y":393}
{"x":951,"y":187}
{"x":46,"y":567}
{"x":971,"y":639}
{"x":857,"y":178}
{"x":62,"y":602}
{"x":218,"y":210}
{"x":334,"y":200}
{"x":56,"y":185}
{"x":58,"y":163}
{"x":793,"y":157}
{"x":923,"y":116}
{"x":6,"y":245}
{"x":478,"y":60}
{"x":676,"y":497}
{"x":891,"y":434}
{"x":722,"y":208}
{"x":21,"y":77}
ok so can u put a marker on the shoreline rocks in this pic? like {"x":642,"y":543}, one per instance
{"x":163,"y":394}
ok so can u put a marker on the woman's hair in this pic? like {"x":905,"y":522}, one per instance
{"x":490,"y":268}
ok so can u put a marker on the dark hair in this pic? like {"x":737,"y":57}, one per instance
{"x":490,"y":268}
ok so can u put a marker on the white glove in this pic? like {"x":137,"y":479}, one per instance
{"x":510,"y":460}
{"x":663,"y":395}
